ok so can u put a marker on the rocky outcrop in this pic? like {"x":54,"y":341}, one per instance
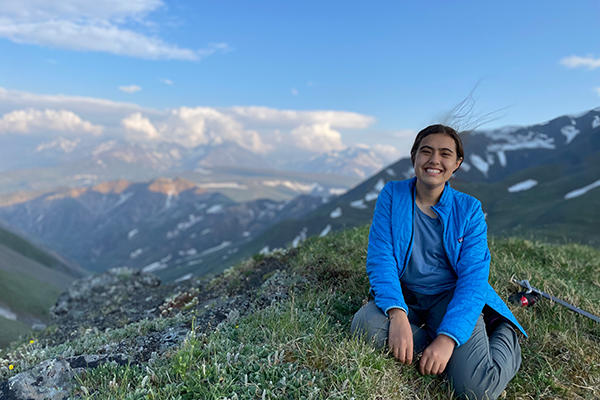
{"x":125,"y":316}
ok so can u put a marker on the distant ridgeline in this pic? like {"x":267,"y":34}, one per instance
{"x":538,"y":181}
{"x":31,"y":280}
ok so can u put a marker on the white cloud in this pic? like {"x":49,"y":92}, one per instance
{"x":387,"y":152}
{"x":294,"y":92}
{"x":140,"y":128}
{"x":92,"y":26}
{"x":317,"y":138}
{"x":291,"y":118}
{"x":32,"y":121}
{"x":577,"y":61}
{"x":130,"y":89}
{"x":167,"y":81}
{"x":597,"y":90}
{"x":191,"y":127}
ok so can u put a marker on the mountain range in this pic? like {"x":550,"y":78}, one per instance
{"x":534,"y":181}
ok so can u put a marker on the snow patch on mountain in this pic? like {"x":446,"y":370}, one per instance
{"x":7,"y":313}
{"x":300,"y":187}
{"x":521,"y":186}
{"x":184,"y":278}
{"x":135,"y":253}
{"x":215,"y":209}
{"x":501,"y":158}
{"x":155,"y":266}
{"x":596,"y":122}
{"x":379,"y":185}
{"x":66,"y":145}
{"x":358,"y":204}
{"x":132,"y":233}
{"x":570,"y":132}
{"x":390,"y":172}
{"x":337,"y":191}
{"x":301,"y":237}
{"x":582,"y":191}
{"x":122,"y":199}
{"x":480,"y":164}
{"x":371,"y":196}
{"x":104,"y":147}
{"x":409,"y":173}
{"x":504,"y":141}
{"x":464,"y":166}
{"x":336,"y":213}
{"x":216,"y":248}
{"x":325,"y":231}
{"x":223,"y":185}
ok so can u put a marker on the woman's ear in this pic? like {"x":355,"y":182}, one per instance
{"x":458,"y":164}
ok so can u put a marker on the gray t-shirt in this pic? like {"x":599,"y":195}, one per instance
{"x":428,"y":270}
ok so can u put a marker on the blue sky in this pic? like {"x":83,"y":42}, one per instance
{"x":153,"y":70}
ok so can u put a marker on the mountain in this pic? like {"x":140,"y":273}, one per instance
{"x":539,"y":181}
{"x":358,"y":161}
{"x":165,"y":224}
{"x":31,"y":279}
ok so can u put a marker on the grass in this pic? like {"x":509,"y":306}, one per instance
{"x":11,"y":330}
{"x":40,"y":296}
{"x":300,"y":347}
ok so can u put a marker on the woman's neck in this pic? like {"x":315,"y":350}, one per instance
{"x":428,"y":197}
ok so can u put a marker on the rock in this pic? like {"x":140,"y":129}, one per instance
{"x":52,"y":379}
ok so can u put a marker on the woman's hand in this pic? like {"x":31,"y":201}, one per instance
{"x":436,"y":355}
{"x":400,"y":338}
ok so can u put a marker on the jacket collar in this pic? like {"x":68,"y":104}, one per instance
{"x":445,"y":201}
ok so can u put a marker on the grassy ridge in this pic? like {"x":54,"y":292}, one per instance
{"x":11,"y":330}
{"x":25,"y":248}
{"x":300,"y":348}
{"x":24,"y":294}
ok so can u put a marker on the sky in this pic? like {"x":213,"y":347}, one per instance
{"x":301,"y":75}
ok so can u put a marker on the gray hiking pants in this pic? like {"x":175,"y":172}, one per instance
{"x":479,"y":369}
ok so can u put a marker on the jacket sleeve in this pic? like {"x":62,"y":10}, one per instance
{"x":472,"y":272}
{"x":382,"y":266}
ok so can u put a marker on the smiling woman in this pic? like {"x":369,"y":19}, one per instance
{"x":428,"y":265}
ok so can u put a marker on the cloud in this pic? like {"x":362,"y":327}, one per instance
{"x":294,"y":92}
{"x":597,"y":90}
{"x":32,"y":121}
{"x":317,"y":138}
{"x":100,"y":25}
{"x":265,"y":116}
{"x":167,"y":81}
{"x":577,"y":61}
{"x":191,"y":127}
{"x":387,"y":152}
{"x":130,"y":89}
{"x":140,"y":128}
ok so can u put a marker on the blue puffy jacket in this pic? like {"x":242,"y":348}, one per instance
{"x":465,"y":242}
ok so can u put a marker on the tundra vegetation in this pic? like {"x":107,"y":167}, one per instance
{"x":298,"y":345}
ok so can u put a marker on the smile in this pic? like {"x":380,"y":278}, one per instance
{"x":433,"y":171}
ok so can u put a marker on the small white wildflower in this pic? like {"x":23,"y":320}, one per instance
{"x":236,"y":358}
{"x":281,"y":356}
{"x":84,"y":390}
{"x":264,"y":394}
{"x":228,"y":358}
{"x":204,"y":369}
{"x":246,"y":380}
{"x":145,"y":381}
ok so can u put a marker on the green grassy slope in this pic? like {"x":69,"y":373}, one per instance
{"x":10,"y":331}
{"x":26,"y":295}
{"x":300,"y":347}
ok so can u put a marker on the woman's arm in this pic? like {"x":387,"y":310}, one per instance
{"x":472,"y":272}
{"x":382,"y":267}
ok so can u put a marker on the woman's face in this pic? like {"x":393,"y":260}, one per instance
{"x":436,"y":160}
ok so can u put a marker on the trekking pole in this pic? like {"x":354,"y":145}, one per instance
{"x":525,"y":283}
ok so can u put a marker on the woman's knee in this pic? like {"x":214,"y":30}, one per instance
{"x":372,"y":324}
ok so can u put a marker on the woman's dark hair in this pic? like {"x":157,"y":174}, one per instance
{"x":433,"y":129}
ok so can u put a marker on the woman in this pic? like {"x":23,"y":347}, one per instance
{"x":428,"y":265}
